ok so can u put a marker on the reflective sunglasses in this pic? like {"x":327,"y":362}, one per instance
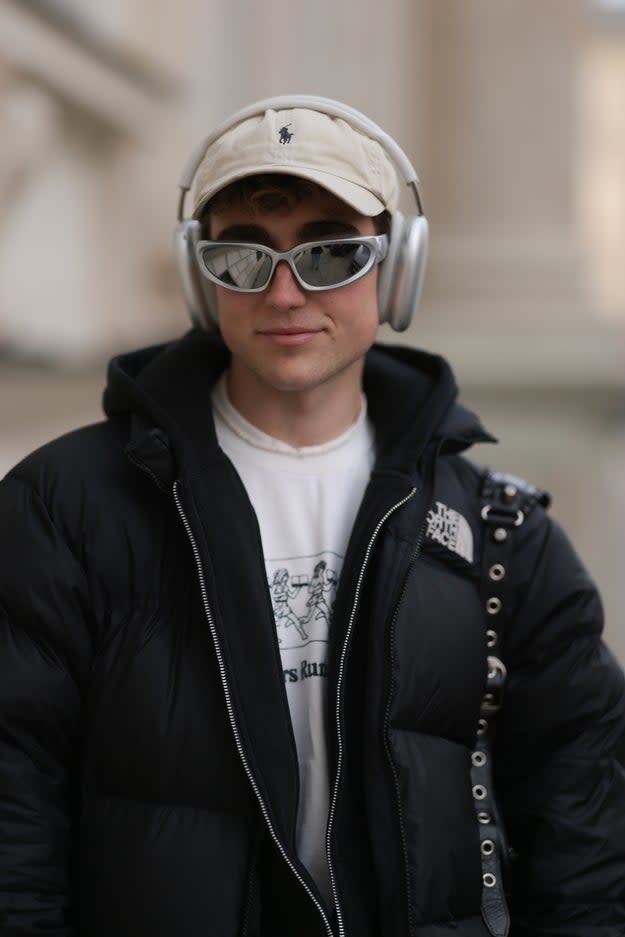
{"x":318,"y":265}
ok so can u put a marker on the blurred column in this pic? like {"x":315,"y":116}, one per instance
{"x":505,"y":98}
{"x":72,"y":105}
{"x":601,"y":196}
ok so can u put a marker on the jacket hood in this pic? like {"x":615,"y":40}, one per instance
{"x":165,"y":390}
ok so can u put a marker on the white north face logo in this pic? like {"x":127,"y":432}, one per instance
{"x":451,"y":530}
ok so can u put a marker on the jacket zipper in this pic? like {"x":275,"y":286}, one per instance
{"x":339,"y":764}
{"x":231,"y":713}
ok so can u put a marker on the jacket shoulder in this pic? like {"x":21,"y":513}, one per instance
{"x":80,"y":479}
{"x":484,"y":489}
{"x":88,"y":452}
{"x":485,"y":482}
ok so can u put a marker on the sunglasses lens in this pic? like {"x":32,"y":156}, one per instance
{"x":327,"y":265}
{"x":240,"y":266}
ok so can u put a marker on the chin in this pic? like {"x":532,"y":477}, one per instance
{"x":290,"y":384}
{"x":301,"y":374}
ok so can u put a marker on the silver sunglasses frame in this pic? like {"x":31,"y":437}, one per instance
{"x":379,"y":243}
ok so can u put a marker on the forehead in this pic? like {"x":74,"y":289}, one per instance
{"x":316,"y":206}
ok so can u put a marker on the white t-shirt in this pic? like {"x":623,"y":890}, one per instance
{"x":306,"y":500}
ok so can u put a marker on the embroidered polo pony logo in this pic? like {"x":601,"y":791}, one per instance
{"x":285,"y":134}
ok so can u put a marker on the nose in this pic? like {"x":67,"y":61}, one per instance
{"x":284,"y":292}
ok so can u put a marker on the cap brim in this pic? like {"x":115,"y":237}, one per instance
{"x":361,"y":200}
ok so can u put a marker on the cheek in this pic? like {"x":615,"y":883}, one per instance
{"x":231,"y":312}
{"x":223,"y":302}
{"x":360,"y":307}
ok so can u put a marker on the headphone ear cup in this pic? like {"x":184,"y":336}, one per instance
{"x":199,"y":293}
{"x":386,"y":270}
{"x":402,"y":271}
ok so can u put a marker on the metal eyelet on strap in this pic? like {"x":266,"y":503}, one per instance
{"x":487,"y":847}
{"x":489,"y":880}
{"x":493,"y":605}
{"x":483,"y":817}
{"x":496,"y":668}
{"x":497,"y":572}
{"x":500,"y":535}
{"x":478,"y":759}
{"x":482,"y":727}
{"x":479,"y":792}
{"x":491,"y":638}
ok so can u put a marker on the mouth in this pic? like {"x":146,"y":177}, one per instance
{"x":290,"y":335}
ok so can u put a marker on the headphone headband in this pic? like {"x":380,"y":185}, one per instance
{"x":326,"y":106}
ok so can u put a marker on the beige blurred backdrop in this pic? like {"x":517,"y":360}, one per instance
{"x":513,"y":112}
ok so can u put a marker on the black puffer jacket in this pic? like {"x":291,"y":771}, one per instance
{"x":148,"y":775}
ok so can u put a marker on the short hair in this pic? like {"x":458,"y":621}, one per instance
{"x":271,"y":192}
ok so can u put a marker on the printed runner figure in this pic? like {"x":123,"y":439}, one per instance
{"x":281,"y":592}
{"x":319,"y":584}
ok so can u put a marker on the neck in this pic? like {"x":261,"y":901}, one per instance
{"x":299,"y":418}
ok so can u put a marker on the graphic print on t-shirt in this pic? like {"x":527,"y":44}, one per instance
{"x":303,"y":590}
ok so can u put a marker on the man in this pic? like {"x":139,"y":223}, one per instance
{"x":171,"y":762}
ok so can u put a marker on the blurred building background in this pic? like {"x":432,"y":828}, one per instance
{"x":512,"y":110}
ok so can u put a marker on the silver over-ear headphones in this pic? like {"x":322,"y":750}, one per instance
{"x":401,"y":274}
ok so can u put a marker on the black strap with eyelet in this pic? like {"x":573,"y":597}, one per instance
{"x":506,"y":502}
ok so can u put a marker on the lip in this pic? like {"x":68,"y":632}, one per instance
{"x":290,"y":335}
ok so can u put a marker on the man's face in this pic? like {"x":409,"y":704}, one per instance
{"x":287,"y":338}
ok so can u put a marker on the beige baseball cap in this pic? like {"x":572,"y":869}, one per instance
{"x":306,"y":143}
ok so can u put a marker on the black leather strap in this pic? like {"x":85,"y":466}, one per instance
{"x":506,"y":502}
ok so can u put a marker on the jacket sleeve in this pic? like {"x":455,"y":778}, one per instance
{"x":561,"y":788}
{"x":44,"y":660}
